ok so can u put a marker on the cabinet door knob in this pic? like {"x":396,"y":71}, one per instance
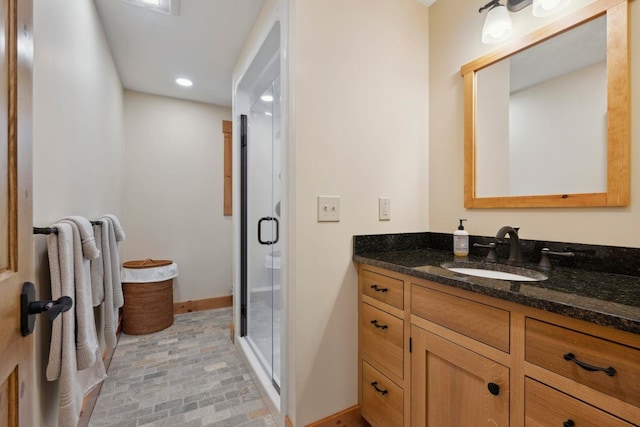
{"x":570,"y":357}
{"x":378,"y":289}
{"x":378,"y":389}
{"x":568,"y":423}
{"x":494,"y":388}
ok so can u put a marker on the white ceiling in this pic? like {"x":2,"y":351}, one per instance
{"x":201,"y":43}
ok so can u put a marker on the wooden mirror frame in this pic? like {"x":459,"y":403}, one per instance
{"x":618,"y":112}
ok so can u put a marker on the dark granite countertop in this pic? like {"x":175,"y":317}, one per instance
{"x":599,"y":297}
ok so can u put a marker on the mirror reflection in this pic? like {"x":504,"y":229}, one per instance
{"x":541,"y":117}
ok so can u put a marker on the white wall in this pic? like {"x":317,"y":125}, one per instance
{"x":454,"y":32}
{"x":172,"y":203}
{"x":361,"y":128}
{"x":77,"y":143}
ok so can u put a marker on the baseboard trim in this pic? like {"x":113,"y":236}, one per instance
{"x":350,"y":417}
{"x":202,"y":304}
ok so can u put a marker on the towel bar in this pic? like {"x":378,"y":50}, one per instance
{"x":45,"y":230}
{"x":53,"y":230}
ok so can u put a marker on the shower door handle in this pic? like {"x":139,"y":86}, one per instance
{"x":268,"y":242}
{"x":277,"y":230}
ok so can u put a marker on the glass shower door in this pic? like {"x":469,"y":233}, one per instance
{"x":262,"y":218}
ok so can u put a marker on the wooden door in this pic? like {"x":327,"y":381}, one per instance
{"x":16,"y":351}
{"x":455,"y":387}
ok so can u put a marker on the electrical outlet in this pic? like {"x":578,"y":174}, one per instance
{"x":384,"y":208}
{"x":328,"y":208}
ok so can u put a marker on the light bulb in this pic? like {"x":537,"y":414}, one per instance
{"x":548,"y":7}
{"x":497,"y":25}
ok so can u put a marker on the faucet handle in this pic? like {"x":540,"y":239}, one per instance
{"x":492,"y":256}
{"x":517,"y":228}
{"x":545,"y":262}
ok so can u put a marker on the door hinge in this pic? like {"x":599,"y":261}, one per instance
{"x":410,"y":344}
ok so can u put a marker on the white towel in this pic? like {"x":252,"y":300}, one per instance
{"x":86,"y":335}
{"x":74,"y":384}
{"x":111,"y":233}
{"x":110,"y":311}
{"x":97,"y":270}
{"x":89,"y":248}
{"x":117,"y":228}
{"x":116,"y":234}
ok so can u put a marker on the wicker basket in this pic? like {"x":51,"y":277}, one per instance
{"x":148,"y":307}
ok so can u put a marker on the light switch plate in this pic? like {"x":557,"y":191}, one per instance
{"x":384,"y":208}
{"x":328,"y":208}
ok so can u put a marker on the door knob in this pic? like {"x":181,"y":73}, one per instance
{"x":494,"y":388}
{"x":29,"y":308}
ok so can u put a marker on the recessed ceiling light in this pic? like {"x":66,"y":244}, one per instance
{"x":267,"y":98}
{"x":268,"y":113}
{"x":184,"y":82}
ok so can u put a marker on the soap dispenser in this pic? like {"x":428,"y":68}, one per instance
{"x":460,"y":241}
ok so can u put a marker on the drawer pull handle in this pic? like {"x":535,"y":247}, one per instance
{"x":378,"y":389}
{"x":570,"y":357}
{"x":377,"y":325}
{"x":377,"y":289}
{"x":568,"y":423}
{"x":494,"y":388}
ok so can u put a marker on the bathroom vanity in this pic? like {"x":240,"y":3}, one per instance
{"x":439,"y":348}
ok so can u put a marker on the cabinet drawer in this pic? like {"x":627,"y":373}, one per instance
{"x":383,"y":288}
{"x":545,"y":406}
{"x":382,"y":339}
{"x":548,"y":346}
{"x":479,"y":321}
{"x":382,"y":399}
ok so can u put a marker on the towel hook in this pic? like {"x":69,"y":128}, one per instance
{"x":29,"y":308}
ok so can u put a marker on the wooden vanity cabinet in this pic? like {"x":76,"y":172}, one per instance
{"x":383,"y":347}
{"x":465,"y":359}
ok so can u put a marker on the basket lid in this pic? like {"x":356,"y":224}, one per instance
{"x":147,"y":263}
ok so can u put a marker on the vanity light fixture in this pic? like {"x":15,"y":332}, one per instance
{"x":497,"y":25}
{"x":548,"y":7}
{"x":184,"y":82}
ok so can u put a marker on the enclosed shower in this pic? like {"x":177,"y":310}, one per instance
{"x":258,"y":102}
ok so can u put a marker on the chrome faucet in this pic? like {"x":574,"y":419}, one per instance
{"x":515,"y":249}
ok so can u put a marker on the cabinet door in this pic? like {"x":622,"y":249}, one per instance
{"x":453,"y":386}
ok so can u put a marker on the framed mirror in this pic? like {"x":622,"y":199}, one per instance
{"x":547,"y":116}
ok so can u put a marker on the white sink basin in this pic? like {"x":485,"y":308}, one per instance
{"x":513,"y":274}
